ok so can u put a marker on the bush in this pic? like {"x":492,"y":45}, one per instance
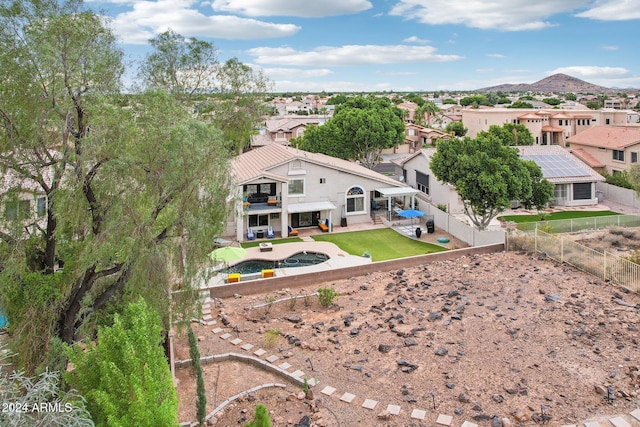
{"x":201,"y":400}
{"x":619,"y":180}
{"x":260,"y":418}
{"x":271,"y":338}
{"x":326,"y":296}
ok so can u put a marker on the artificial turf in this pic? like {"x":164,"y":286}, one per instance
{"x":556,"y":215}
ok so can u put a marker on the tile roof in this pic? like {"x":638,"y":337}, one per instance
{"x":607,"y":136}
{"x":257,"y":163}
{"x":587,"y":158}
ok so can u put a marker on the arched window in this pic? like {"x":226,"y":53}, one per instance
{"x":355,"y":200}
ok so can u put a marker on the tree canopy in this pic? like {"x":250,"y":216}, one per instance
{"x":487,"y":175}
{"x":359,"y":130}
{"x":134,"y":188}
{"x":457,"y":128}
{"x":511,"y":134}
{"x":125,"y":376}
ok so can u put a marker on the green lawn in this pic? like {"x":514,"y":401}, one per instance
{"x":255,"y":243}
{"x":382,"y":244}
{"x":556,"y":215}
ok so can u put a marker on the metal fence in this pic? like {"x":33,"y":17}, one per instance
{"x":604,"y":265}
{"x":581,"y":224}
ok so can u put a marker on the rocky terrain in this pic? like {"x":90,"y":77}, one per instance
{"x":490,"y":339}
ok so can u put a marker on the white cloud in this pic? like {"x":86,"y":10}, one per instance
{"x":581,"y":71}
{"x":148,"y":18}
{"x":512,"y":15}
{"x":306,"y":9}
{"x":349,"y":55}
{"x":415,"y":39}
{"x":495,"y":55}
{"x":610,"y":47}
{"x":484,"y":70}
{"x":612,"y":10}
{"x":279,"y":73}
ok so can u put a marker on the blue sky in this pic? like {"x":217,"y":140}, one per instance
{"x":399,"y":45}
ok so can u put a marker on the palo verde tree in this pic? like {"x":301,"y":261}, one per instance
{"x":134,"y":188}
{"x":487,"y":175}
{"x":125,"y":376}
{"x":359,"y":130}
{"x":231,"y":94}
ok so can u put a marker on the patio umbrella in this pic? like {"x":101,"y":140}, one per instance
{"x":411,"y":213}
{"x":227,"y":254}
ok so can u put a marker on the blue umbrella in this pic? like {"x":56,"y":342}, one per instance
{"x":411,"y":213}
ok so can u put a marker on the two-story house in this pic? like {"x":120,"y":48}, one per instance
{"x":608,"y":149}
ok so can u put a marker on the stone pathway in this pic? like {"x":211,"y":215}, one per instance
{"x":625,"y":420}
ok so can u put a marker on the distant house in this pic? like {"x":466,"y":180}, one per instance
{"x":608,"y":149}
{"x":281,"y":130}
{"x":280,"y":187}
{"x":416,"y":137}
{"x":574,"y":181}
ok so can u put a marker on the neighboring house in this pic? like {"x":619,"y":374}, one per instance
{"x":608,"y":149}
{"x":282,"y":129}
{"x":23,"y":200}
{"x":574,"y":181}
{"x":285,"y":187}
{"x":416,"y":137}
{"x":548,"y":126}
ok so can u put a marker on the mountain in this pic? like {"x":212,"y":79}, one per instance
{"x":554,"y":83}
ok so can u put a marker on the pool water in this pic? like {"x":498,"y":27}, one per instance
{"x":300,"y":259}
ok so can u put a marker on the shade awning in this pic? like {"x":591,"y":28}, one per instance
{"x":310,"y":207}
{"x":397,"y":191}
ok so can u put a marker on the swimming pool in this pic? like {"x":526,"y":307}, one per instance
{"x":300,"y":259}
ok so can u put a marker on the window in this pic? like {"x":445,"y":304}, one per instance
{"x":300,"y":132}
{"x":411,"y":132}
{"x":41,"y":206}
{"x":560,"y":191}
{"x":634,"y":157}
{"x":422,"y":182}
{"x":258,"y":220}
{"x":355,"y":200}
{"x":582,"y":191}
{"x":323,"y":180}
{"x":296,"y":187}
{"x":607,"y":121}
{"x":17,"y":209}
{"x":618,"y":155}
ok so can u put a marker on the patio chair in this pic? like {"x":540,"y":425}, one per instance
{"x":323,"y":224}
{"x":270,"y":233}
{"x":219,"y":242}
{"x":272,"y":201}
{"x":250,"y":234}
{"x":292,"y":231}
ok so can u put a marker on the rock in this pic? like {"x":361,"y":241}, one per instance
{"x":304,"y":422}
{"x":348,"y":320}
{"x":520,"y":416}
{"x":382,"y":348}
{"x":294,"y":318}
{"x":506,"y":422}
{"x":406,"y":366}
{"x":498,"y":398}
{"x":601,"y":390}
{"x":434,"y":316}
{"x":552,"y":298}
{"x":410,"y":342}
{"x":496,"y":421}
{"x":441,"y":351}
{"x":458,"y":411}
{"x":334,"y":328}
{"x":463,"y":398}
{"x":354,"y":331}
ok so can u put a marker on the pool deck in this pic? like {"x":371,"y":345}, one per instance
{"x":337,"y":259}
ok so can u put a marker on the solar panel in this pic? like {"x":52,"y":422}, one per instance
{"x":557,"y":165}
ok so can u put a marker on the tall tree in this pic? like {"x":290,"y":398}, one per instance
{"x":359,"y":130}
{"x":125,"y":377}
{"x":511,"y":134}
{"x":233,"y":92}
{"x":487,"y":175}
{"x":128,"y":180}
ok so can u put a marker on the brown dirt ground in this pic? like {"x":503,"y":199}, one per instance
{"x":519,"y":331}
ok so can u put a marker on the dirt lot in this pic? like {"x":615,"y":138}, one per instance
{"x":495,"y":335}
{"x":616,"y":240}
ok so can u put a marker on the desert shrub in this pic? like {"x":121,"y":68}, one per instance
{"x":271,"y":338}
{"x":201,"y":399}
{"x":326,"y":296}
{"x":261,"y":417}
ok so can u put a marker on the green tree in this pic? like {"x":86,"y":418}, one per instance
{"x":260,"y":418}
{"x":457,"y":128}
{"x":475,"y":100}
{"x":487,"y":175}
{"x":129,"y":181}
{"x":428,"y":109}
{"x":182,"y":67}
{"x":511,"y":134}
{"x":360,"y":129}
{"x":541,"y":189}
{"x":570,"y":96}
{"x":125,"y":376}
{"x":520,"y":104}
{"x":552,"y":101}
{"x":201,"y":396}
{"x":633,"y":176}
